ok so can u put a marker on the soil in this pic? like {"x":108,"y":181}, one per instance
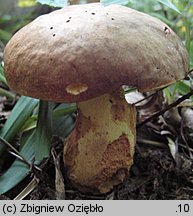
{"x":155,"y":175}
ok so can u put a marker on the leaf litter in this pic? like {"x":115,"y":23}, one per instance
{"x":155,"y":174}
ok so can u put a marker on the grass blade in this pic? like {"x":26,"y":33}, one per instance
{"x":7,"y":94}
{"x":2,"y":76}
{"x":31,"y":141}
{"x":63,"y":126}
{"x":64,"y":109}
{"x":54,"y":3}
{"x":61,"y":111}
{"x":43,"y":131}
{"x":20,"y":113}
{"x":18,"y":170}
{"x":170,"y":5}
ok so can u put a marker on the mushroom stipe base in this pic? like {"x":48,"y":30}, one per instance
{"x":99,"y":152}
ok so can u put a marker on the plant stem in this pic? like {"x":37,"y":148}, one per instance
{"x":4,"y":142}
{"x":184,"y":97}
{"x":7,"y":93}
{"x":187,"y":33}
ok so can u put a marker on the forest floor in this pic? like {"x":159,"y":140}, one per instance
{"x":153,"y":176}
{"x":156,"y":174}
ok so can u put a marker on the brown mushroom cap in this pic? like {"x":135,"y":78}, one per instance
{"x":83,"y":51}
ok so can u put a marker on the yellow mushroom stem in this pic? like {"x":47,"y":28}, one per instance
{"x":99,"y":152}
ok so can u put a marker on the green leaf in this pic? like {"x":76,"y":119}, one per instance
{"x":54,"y":3}
{"x":4,"y":18}
{"x":18,"y":170}
{"x":6,"y":93}
{"x":29,"y":124}
{"x":63,"y":123}
{"x":188,"y":38}
{"x":43,"y":130}
{"x":62,"y":126}
{"x":109,"y":2}
{"x":183,"y":87}
{"x":26,"y":3}
{"x":170,"y":5}
{"x":64,"y":109}
{"x":2,"y":76}
{"x":5,"y":35}
{"x":36,"y":142}
{"x":168,"y":95}
{"x":20,"y":113}
{"x":191,"y":53}
{"x":59,"y":112}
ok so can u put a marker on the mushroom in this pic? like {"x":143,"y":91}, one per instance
{"x":85,"y":54}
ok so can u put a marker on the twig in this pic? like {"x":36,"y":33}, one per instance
{"x":191,"y":70}
{"x":151,"y":95}
{"x":28,"y":189}
{"x":151,"y":143}
{"x":16,"y":152}
{"x":185,"y":141}
{"x":184,"y":146}
{"x":161,"y":112}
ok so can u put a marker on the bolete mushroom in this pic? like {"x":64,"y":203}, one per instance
{"x":84,"y":54}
